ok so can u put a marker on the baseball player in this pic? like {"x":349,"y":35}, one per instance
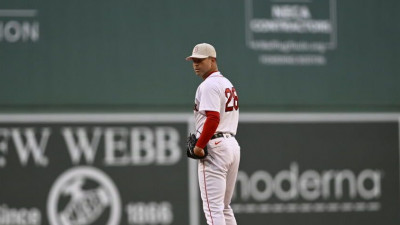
{"x":216,"y":112}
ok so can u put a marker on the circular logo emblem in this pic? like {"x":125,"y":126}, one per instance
{"x":83,"y":196}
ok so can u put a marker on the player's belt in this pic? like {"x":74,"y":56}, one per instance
{"x":218,"y":135}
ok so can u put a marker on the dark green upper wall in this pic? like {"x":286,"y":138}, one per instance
{"x":129,"y":54}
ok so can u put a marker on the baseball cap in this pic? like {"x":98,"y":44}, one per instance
{"x":203,"y":51}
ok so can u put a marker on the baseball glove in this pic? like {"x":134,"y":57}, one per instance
{"x":191,"y":143}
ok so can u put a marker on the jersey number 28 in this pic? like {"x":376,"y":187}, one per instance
{"x":233,"y":100}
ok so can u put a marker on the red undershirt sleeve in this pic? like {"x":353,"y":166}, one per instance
{"x":210,"y":126}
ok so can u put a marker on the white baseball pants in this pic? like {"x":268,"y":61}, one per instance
{"x":217,"y":178}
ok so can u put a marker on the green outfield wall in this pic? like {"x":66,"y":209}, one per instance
{"x":308,"y":55}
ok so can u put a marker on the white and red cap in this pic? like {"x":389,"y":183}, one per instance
{"x":202,"y":51}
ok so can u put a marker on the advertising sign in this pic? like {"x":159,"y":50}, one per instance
{"x":335,"y":169}
{"x":88,"y":169}
{"x":291,"y":32}
{"x":131,"y":169}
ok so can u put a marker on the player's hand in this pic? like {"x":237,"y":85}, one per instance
{"x":198,"y":151}
{"x":192,"y":151}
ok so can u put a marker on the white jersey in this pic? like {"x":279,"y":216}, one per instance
{"x":216,"y":93}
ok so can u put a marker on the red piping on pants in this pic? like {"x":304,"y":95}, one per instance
{"x":205,"y":187}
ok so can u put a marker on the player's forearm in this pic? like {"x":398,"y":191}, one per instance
{"x":210,"y":126}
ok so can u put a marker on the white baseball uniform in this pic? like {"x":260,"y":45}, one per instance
{"x":217,"y":172}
